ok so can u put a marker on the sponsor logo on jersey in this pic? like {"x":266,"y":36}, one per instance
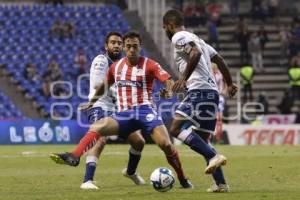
{"x":126,"y":83}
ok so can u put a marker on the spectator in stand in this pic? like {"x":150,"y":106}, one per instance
{"x":241,"y":25}
{"x":242,"y":35}
{"x":273,"y":8}
{"x":57,"y":29}
{"x":286,"y":103}
{"x":53,"y":73}
{"x":214,"y":12}
{"x":80,"y":61}
{"x":295,"y":37}
{"x":30,"y":73}
{"x":256,"y":51}
{"x":263,"y":100}
{"x":213,"y":34}
{"x":247,"y":74}
{"x":68,"y":30}
{"x":284,"y":37}
{"x":195,"y":13}
{"x":257,"y":10}
{"x":234,"y":7}
{"x":262,"y":34}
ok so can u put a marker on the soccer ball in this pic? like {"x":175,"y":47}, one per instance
{"x":162,"y":179}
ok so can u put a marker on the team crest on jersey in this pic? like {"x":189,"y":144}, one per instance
{"x":150,"y":117}
{"x":140,"y":72}
{"x":210,"y":81}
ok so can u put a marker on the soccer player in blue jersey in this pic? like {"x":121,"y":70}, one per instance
{"x":195,"y":117}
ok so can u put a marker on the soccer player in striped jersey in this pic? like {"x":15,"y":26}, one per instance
{"x":133,"y":76}
{"x":105,"y":106}
{"x":195,"y":117}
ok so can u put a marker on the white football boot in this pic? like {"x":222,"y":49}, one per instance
{"x":136,"y":178}
{"x":89,"y":185}
{"x":218,"y":188}
{"x":214,"y":163}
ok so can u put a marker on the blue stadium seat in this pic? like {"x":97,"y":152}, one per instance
{"x":25,"y":37}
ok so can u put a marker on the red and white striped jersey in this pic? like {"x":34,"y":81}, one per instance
{"x":134,"y":83}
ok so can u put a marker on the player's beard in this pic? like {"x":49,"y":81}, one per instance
{"x":169,"y":34}
{"x":114,"y":55}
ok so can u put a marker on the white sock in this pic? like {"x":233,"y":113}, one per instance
{"x":91,"y":159}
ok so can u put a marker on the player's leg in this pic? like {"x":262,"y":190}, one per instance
{"x":93,"y":154}
{"x":104,"y":127}
{"x":188,"y":136}
{"x":91,"y":164}
{"x":137,"y":143}
{"x":161,"y":137}
{"x":218,"y":176}
{"x":199,"y":112}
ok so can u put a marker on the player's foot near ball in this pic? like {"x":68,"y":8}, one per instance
{"x":186,"y":184}
{"x":218,"y":188}
{"x":136,"y":178}
{"x":89,"y":185}
{"x":65,"y":158}
{"x":214,"y":163}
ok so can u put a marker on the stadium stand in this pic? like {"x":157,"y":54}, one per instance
{"x":26,"y":38}
{"x":273,"y":80}
{"x":8,"y":110}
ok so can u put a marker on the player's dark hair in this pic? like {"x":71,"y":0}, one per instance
{"x":132,"y":34}
{"x":111,"y":34}
{"x":173,"y":16}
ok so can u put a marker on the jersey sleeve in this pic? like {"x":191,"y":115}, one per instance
{"x":211,"y":51}
{"x":158,"y":72}
{"x":98,"y":71}
{"x":181,"y":42}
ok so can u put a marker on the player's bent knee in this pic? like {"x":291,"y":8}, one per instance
{"x":97,"y":127}
{"x":102,"y":141}
{"x":175,"y":131}
{"x":165,"y":145}
{"x":138,"y":145}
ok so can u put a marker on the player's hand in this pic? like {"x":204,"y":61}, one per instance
{"x":232,"y":90}
{"x":166,"y":94}
{"x":86,"y":106}
{"x":179,"y":85}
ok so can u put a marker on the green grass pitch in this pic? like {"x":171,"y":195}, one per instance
{"x":253,"y":172}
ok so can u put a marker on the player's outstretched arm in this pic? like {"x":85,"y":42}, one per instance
{"x":100,"y":90}
{"x":231,"y":87}
{"x":193,"y":58}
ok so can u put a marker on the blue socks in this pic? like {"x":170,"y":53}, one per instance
{"x":196,"y":143}
{"x":218,"y":174}
{"x":134,"y":158}
{"x":193,"y":140}
{"x":90,"y":167}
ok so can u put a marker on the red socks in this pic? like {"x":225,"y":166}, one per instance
{"x":86,"y":143}
{"x":174,"y":161}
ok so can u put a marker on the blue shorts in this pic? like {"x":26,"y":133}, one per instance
{"x":142,"y":117}
{"x":96,"y":114}
{"x":200,"y":108}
